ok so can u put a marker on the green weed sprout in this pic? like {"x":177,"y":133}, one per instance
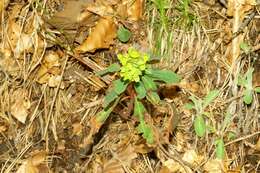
{"x":200,"y":105}
{"x":186,"y":17}
{"x":134,"y":69}
{"x":246,"y":81}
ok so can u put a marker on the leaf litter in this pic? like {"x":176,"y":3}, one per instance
{"x":50,"y":95}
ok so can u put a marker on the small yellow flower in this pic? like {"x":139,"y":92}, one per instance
{"x":133,"y":64}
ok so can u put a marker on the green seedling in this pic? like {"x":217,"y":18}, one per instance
{"x":162,"y":6}
{"x":220,"y":149}
{"x":134,"y":70}
{"x":245,"y":47}
{"x":200,"y":105}
{"x":246,"y":82}
{"x":123,"y":34}
{"x":186,"y":18}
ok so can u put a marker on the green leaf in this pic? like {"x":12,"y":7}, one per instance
{"x":200,"y":126}
{"x":248,"y":96}
{"x":123,"y":34}
{"x":110,"y":69}
{"x":119,"y":86}
{"x":104,"y":114}
{"x":227,"y":120}
{"x":140,"y":90}
{"x":189,"y":106}
{"x":110,"y":97}
{"x":220,"y":149}
{"x":153,"y":97}
{"x":149,"y":84}
{"x":241,"y":81}
{"x":257,"y":89}
{"x":139,"y":109}
{"x":245,"y":47}
{"x":147,"y":132}
{"x":249,"y":78}
{"x":231,"y":136}
{"x":166,"y":76}
{"x":144,"y":128}
{"x":197,"y":103}
{"x":210,"y":97}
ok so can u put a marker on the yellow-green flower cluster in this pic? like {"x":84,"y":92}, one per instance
{"x":133,"y":64}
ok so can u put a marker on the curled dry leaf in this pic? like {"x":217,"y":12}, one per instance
{"x":50,"y":70}
{"x":119,"y":161}
{"x":101,"y":8}
{"x":20,"y":104}
{"x":21,"y":42}
{"x":190,"y":156}
{"x":34,"y":164}
{"x":102,"y":36}
{"x":8,"y":63}
{"x":215,"y":166}
{"x":135,"y":9}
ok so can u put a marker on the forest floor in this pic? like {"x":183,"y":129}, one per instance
{"x":51,"y":53}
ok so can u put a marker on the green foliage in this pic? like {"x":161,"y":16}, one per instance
{"x":220,"y":149}
{"x":135,"y":70}
{"x":123,"y":34}
{"x":246,"y":81}
{"x":140,"y":90}
{"x":200,"y":105}
{"x":119,"y":86}
{"x":166,"y":76}
{"x":153,"y":97}
{"x":110,"y":69}
{"x":245,"y":47}
{"x":209,"y":98}
{"x":143,"y":127}
{"x":186,"y":18}
{"x":104,"y":114}
{"x":161,"y":6}
{"x":257,"y":89}
{"x":149,"y":84}
{"x":200,"y":126}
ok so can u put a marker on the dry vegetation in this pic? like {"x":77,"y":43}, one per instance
{"x":51,"y":50}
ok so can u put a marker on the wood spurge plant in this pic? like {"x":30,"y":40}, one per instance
{"x":135,"y":72}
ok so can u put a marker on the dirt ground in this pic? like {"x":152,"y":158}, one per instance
{"x":50,"y":93}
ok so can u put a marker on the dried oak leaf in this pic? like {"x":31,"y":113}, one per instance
{"x":101,"y":8}
{"x":34,"y":164}
{"x":135,"y":10}
{"x":101,"y":37}
{"x":20,"y":104}
{"x":120,"y":160}
{"x":50,"y":70}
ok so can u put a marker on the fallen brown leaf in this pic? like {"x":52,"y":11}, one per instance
{"x":119,"y":161}
{"x":101,"y":37}
{"x":20,"y":104}
{"x":135,"y":10}
{"x":50,"y":70}
{"x":34,"y":164}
